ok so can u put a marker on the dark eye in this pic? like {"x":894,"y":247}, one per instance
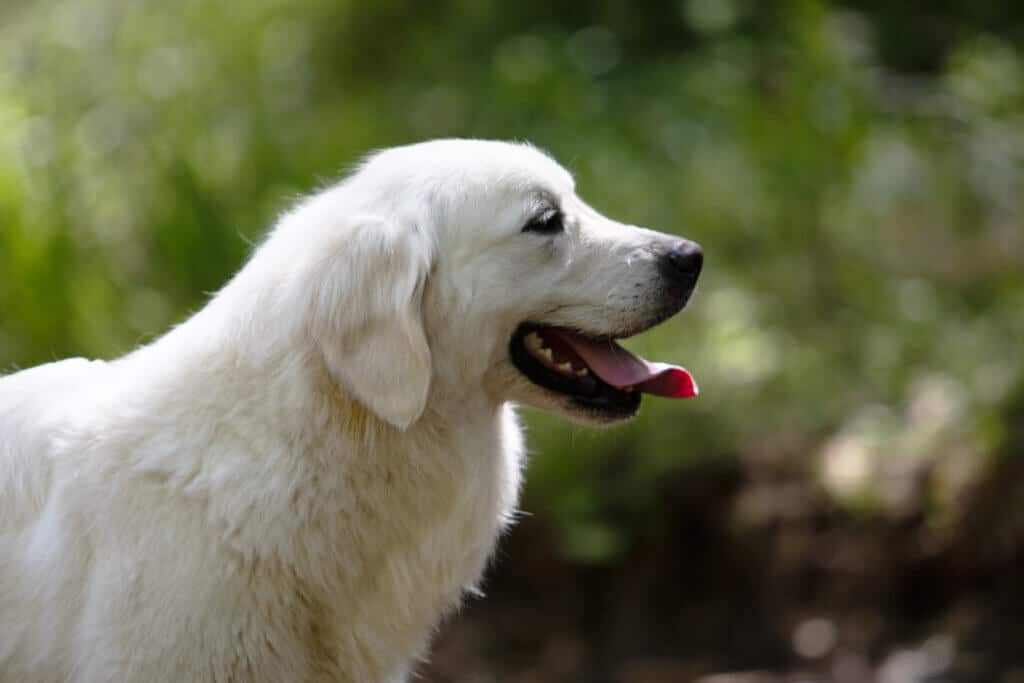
{"x":547,"y":223}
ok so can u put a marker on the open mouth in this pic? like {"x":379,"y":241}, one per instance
{"x":595,"y":373}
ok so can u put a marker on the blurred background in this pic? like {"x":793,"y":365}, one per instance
{"x":845,"y":500}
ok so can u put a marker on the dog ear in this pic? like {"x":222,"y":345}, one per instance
{"x":371,"y":333}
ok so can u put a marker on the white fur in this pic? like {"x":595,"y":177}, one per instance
{"x":297,"y":483}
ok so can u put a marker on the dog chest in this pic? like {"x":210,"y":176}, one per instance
{"x":441,"y":515}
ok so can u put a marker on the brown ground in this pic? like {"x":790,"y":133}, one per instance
{"x":810,"y":593}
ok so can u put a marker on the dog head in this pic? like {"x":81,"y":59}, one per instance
{"x":460,"y":266}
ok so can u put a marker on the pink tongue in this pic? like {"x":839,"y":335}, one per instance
{"x":620,"y":368}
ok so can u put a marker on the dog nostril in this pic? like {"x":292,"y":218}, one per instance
{"x":684,"y":260}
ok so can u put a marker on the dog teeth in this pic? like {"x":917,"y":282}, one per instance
{"x":534,"y":343}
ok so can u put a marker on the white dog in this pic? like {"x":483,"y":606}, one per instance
{"x":298,"y":482}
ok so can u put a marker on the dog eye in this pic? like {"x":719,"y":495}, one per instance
{"x":547,"y":223}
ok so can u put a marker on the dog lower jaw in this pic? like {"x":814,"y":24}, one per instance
{"x":569,"y":408}
{"x":504,"y":382}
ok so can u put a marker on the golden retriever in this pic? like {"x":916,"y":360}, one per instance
{"x":299,"y":481}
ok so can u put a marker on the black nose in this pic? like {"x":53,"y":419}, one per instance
{"x":682,"y":263}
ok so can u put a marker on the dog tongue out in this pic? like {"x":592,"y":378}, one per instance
{"x":620,"y":368}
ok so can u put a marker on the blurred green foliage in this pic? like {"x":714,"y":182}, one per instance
{"x":855,"y":172}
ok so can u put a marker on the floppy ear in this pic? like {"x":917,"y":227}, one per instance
{"x":371,"y":330}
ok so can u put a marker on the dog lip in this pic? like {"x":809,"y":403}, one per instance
{"x":625,"y":406}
